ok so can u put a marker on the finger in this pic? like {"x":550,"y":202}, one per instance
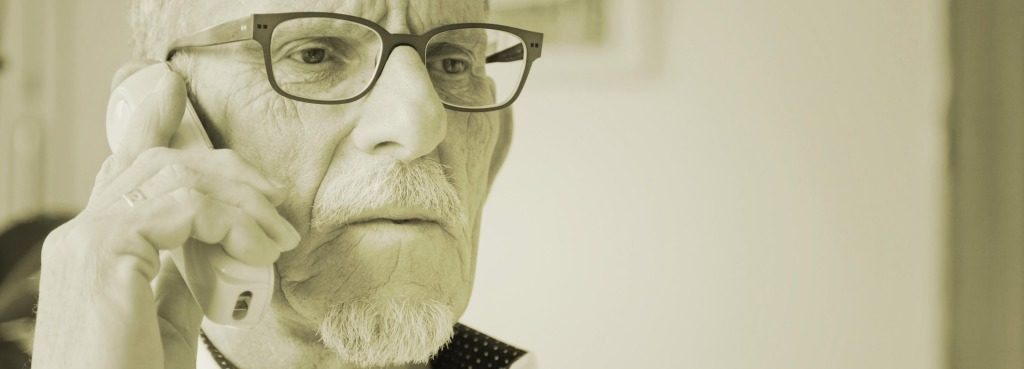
{"x":241,"y":241}
{"x":155,"y":120}
{"x":128,"y":69}
{"x":240,"y":195}
{"x":180,"y":316}
{"x":229,"y":163}
{"x":150,"y":163}
{"x":256,"y":206}
{"x":223,"y":162}
{"x":112,"y":167}
{"x":187,"y":213}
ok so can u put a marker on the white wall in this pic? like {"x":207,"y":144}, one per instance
{"x":773,"y":200}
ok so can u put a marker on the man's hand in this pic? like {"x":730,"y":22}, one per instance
{"x":97,"y":308}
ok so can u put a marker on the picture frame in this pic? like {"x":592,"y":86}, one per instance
{"x":590,"y":41}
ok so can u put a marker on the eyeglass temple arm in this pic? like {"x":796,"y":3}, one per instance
{"x":233,"y":31}
{"x":514,"y":53}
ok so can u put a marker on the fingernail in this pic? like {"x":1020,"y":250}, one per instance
{"x":293,"y":241}
{"x":278,"y":192}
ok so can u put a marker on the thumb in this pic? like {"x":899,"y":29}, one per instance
{"x":155,"y":120}
{"x":179,"y":316}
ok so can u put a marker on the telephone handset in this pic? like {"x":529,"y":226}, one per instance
{"x":229,"y":291}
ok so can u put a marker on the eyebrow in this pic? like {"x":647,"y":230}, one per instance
{"x":475,"y":37}
{"x":319,"y":25}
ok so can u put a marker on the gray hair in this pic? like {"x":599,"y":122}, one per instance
{"x":156,"y":23}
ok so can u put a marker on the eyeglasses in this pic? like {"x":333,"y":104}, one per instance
{"x":328,"y":58}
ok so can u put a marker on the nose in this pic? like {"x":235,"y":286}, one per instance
{"x":402,"y":117}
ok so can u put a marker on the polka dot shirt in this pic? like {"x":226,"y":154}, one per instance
{"x":470,"y":349}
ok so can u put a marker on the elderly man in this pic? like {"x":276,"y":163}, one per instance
{"x":357,"y":141}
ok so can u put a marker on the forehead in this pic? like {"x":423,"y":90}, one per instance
{"x":412,"y":16}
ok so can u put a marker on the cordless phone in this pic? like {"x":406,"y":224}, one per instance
{"x":229,"y":291}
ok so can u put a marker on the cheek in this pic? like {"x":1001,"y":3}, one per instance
{"x":259,"y":126}
{"x":468,"y":150}
{"x":256,"y":107}
{"x":285,"y":141}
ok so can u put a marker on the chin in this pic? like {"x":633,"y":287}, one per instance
{"x":382,"y":331}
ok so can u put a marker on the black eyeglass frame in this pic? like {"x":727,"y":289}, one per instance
{"x":260,"y":28}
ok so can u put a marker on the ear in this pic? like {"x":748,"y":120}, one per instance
{"x":505,"y":124}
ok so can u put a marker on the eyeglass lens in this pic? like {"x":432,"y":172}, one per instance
{"x":331,"y":59}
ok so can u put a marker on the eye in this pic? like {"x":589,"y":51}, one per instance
{"x":454,"y":66}
{"x":313,"y":55}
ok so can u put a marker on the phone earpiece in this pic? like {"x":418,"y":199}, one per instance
{"x":126,"y":97}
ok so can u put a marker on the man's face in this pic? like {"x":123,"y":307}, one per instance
{"x":386,"y":191}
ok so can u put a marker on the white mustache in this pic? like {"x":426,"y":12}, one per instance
{"x":352,"y":190}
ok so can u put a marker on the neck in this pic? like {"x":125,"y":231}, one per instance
{"x":275,"y":345}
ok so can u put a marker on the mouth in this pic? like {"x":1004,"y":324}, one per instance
{"x":387,"y":221}
{"x":387,"y":229}
{"x":394,"y":216}
{"x":396,"y":221}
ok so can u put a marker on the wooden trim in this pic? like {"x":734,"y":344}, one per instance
{"x":987,"y":185}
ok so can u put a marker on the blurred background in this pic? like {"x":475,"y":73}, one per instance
{"x":692,"y":184}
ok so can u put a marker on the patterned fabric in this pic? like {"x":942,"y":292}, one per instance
{"x":222,"y":361}
{"x":468,"y":349}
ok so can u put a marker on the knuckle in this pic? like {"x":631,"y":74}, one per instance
{"x":112,"y":165}
{"x":153,"y":154}
{"x":246,"y":193}
{"x":179,"y":173}
{"x":80,"y":231}
{"x":80,"y":234}
{"x":109,"y":163}
{"x":189,"y":198}
{"x":236,"y":213}
{"x":228,"y":155}
{"x":106,"y":170}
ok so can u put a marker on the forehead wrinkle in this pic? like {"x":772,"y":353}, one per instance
{"x":399,"y":16}
{"x":395,"y":21}
{"x":374,"y":10}
{"x":425,"y":15}
{"x":204,"y":14}
{"x":378,"y":11}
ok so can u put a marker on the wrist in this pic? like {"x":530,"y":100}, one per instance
{"x":77,"y":253}
{"x":95,"y":306}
